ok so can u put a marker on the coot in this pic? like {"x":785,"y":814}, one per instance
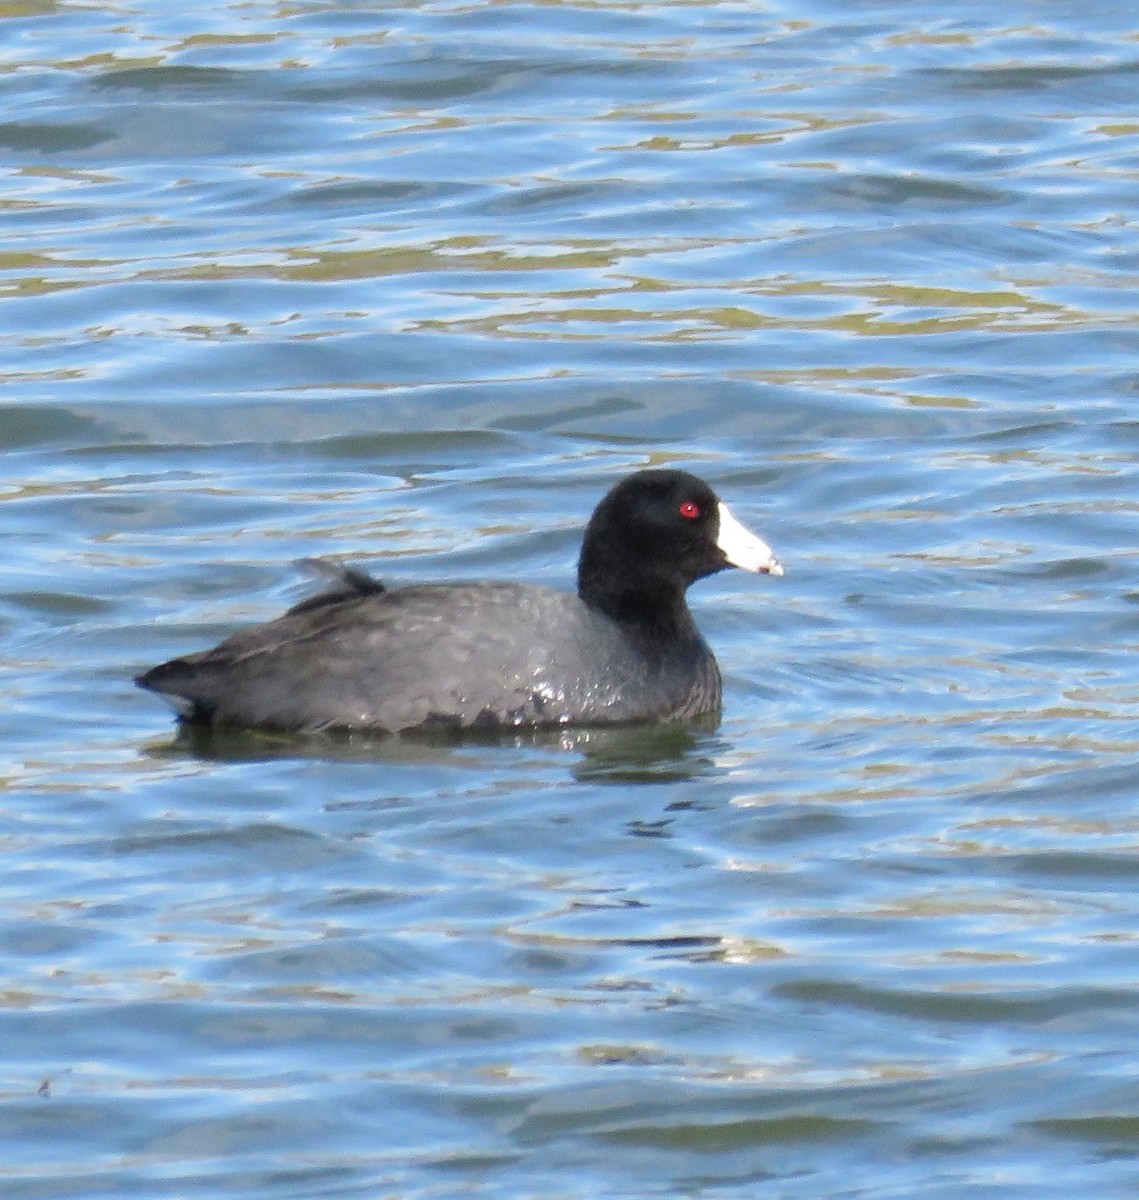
{"x":488,"y":655}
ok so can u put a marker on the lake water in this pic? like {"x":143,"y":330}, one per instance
{"x":413,"y":285}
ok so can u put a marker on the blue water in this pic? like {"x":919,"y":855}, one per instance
{"x":413,"y":285}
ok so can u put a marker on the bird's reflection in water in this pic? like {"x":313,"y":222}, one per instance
{"x":652,"y":753}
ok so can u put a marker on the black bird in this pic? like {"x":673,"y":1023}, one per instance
{"x":487,"y":655}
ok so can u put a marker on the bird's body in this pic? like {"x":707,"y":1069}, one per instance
{"x":487,"y":654}
{"x":588,"y":672}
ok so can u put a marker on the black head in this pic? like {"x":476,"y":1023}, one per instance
{"x":655,"y":533}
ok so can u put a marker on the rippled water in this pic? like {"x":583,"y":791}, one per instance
{"x":413,"y":285}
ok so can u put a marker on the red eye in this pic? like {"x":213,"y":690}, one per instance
{"x":690,"y":509}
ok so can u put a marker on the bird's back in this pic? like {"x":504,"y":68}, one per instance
{"x":461,"y":655}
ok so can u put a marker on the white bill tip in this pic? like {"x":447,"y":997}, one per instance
{"x":743,"y":549}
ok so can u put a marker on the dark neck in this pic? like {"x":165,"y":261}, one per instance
{"x":650,"y":603}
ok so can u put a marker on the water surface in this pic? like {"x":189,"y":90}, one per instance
{"x":413,"y":285}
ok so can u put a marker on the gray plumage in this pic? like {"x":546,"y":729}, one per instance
{"x":486,"y":655}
